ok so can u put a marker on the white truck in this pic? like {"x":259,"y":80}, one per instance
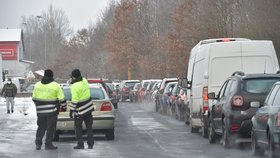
{"x":212,"y":61}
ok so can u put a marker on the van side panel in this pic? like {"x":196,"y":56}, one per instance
{"x":197,"y":85}
{"x":210,"y":65}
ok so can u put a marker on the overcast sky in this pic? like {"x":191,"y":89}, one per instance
{"x":79,"y":12}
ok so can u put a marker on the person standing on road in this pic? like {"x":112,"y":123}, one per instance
{"x":48,"y":97}
{"x":81,"y":108}
{"x":9,"y":91}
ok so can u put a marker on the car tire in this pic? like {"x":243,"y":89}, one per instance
{"x":116,"y":105}
{"x":256,"y":150}
{"x":110,"y":134}
{"x":193,"y":129}
{"x":271,"y":147}
{"x":56,"y":136}
{"x":212,"y":136}
{"x":204,"y":131}
{"x":226,"y":142}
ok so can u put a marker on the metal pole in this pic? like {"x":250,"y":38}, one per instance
{"x":45,"y":48}
{"x":45,"y":51}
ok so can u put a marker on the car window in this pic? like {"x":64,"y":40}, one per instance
{"x":95,"y":93}
{"x":222,"y":90}
{"x":270,"y":98}
{"x":130,"y":84}
{"x":233,"y":86}
{"x":67,"y":93}
{"x":258,"y":86}
{"x":228,"y":87}
{"x":276,"y":101}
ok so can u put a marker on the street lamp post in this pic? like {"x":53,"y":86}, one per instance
{"x":45,"y":48}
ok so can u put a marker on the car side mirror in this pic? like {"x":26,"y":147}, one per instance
{"x":212,"y":95}
{"x":255,"y":104}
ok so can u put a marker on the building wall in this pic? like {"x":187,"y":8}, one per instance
{"x":9,"y":50}
{"x":12,"y":53}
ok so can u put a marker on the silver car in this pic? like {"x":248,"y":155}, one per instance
{"x":103,"y":115}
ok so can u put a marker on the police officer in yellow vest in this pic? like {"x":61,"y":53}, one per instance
{"x":47,"y":96}
{"x":81,"y":108}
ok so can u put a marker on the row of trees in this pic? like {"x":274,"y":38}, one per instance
{"x":145,"y":38}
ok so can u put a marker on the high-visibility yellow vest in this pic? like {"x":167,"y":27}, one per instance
{"x":47,"y":98}
{"x":81,"y":99}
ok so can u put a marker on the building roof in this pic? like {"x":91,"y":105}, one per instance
{"x":10,"y":35}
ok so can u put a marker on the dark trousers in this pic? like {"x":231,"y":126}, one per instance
{"x":79,"y":128}
{"x":45,"y":123}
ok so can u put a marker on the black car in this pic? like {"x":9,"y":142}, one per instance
{"x":231,"y":112}
{"x":266,"y":125}
{"x":125,"y":87}
{"x":114,"y":96}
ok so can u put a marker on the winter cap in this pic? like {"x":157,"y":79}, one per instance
{"x":48,"y":73}
{"x":76,"y":73}
{"x":9,"y":79}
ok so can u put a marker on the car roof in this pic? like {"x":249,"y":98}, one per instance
{"x":131,"y":81}
{"x":257,"y":75}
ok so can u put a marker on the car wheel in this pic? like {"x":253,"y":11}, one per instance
{"x":187,"y":120}
{"x":56,"y":136}
{"x":122,"y":99}
{"x":110,"y":134}
{"x":116,"y":105}
{"x":193,"y":129}
{"x":212,"y":136}
{"x":271,"y":147}
{"x":226,"y":138}
{"x":204,"y":131}
{"x":256,"y":150}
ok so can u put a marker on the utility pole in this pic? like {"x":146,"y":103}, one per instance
{"x":45,"y":48}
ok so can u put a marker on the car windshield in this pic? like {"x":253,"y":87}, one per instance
{"x":136,"y":86}
{"x":130,"y":84}
{"x":95,"y":93}
{"x":258,"y":85}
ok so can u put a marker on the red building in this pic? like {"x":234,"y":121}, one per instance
{"x":12,"y":49}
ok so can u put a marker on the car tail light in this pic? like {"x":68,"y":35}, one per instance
{"x":234,"y":127}
{"x":62,"y":109}
{"x":237,"y":100}
{"x":124,"y":89}
{"x":174,"y":98}
{"x":205,"y":99}
{"x":115,"y":93}
{"x":106,"y":107}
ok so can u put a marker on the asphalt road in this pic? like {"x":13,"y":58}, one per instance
{"x":139,"y":133}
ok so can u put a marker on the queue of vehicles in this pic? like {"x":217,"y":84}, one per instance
{"x":227,"y":84}
{"x":231,"y":94}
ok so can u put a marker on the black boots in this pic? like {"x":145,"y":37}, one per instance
{"x":8,"y":111}
{"x":50,"y":147}
{"x":38,"y":144}
{"x":38,"y":147}
{"x":80,"y":145}
{"x":90,"y":145}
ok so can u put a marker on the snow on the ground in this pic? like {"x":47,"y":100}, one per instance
{"x":17,"y":130}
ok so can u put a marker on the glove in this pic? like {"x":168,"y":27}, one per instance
{"x":71,"y":114}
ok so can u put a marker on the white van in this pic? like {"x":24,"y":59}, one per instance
{"x":212,"y":61}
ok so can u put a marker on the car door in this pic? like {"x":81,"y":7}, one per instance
{"x":274,"y":110}
{"x":261,"y":116}
{"x":217,"y":107}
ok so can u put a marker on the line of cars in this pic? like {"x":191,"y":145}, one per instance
{"x":227,"y":84}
